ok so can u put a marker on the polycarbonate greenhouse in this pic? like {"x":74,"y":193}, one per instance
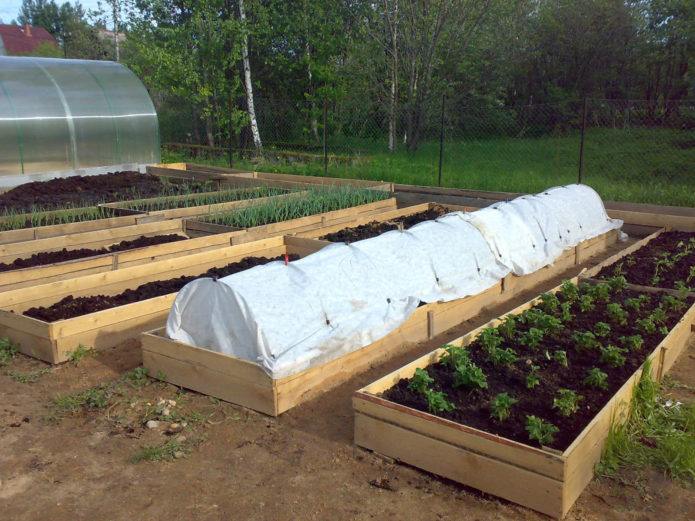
{"x":61,"y":115}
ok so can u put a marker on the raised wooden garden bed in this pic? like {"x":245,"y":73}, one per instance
{"x":50,"y":341}
{"x":543,"y":479}
{"x":56,"y":230}
{"x":341,"y":218}
{"x":393,"y":215}
{"x":245,"y":383}
{"x":242,"y":178}
{"x":200,"y":242}
{"x":192,"y":211}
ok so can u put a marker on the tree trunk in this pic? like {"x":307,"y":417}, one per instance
{"x":247,"y":82}
{"x":394,"y":81}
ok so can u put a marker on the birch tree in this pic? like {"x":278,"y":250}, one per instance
{"x":247,"y":80}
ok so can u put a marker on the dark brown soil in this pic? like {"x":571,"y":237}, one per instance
{"x":374,"y":228}
{"x":79,"y":191}
{"x":50,"y":257}
{"x":473,"y":407}
{"x":641,"y":266}
{"x":71,"y":307}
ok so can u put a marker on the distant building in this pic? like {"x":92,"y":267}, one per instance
{"x":106,"y":35}
{"x":16,"y":40}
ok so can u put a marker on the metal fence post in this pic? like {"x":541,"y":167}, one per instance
{"x":325,"y":145}
{"x":441,"y":141}
{"x":581,"y":145}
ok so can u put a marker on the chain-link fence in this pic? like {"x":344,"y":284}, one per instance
{"x":627,"y":150}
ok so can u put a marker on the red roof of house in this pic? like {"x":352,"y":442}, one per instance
{"x":22,"y":39}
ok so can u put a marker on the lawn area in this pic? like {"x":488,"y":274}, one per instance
{"x":640,"y":165}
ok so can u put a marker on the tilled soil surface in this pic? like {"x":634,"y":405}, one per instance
{"x":648,"y":266}
{"x":78,"y":191}
{"x":71,"y":307}
{"x":50,"y":257}
{"x":238,"y":464}
{"x":374,"y":228}
{"x":474,"y":407}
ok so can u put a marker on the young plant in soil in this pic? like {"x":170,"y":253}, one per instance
{"x":668,"y":261}
{"x":560,"y":380}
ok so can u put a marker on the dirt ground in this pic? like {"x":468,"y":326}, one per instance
{"x":232,"y":463}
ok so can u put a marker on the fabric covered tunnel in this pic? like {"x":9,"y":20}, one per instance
{"x":289,"y":318}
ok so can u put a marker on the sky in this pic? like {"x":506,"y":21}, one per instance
{"x":9,"y":9}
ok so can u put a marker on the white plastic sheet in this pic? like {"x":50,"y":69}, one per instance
{"x":344,"y":297}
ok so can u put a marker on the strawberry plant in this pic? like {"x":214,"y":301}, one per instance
{"x":567,"y":402}
{"x":436,"y":401}
{"x":618,"y":283}
{"x":601,"y":292}
{"x":501,"y":357}
{"x":613,"y":355}
{"x":560,"y":357}
{"x":671,"y":303}
{"x":586,"y":303}
{"x":596,"y":378}
{"x":645,"y":325}
{"x":539,"y":430}
{"x":616,"y":313}
{"x":490,"y":338}
{"x":549,"y":302}
{"x":632,"y":342}
{"x":508,"y":327}
{"x":454,"y":356}
{"x":501,"y":406}
{"x":470,"y":375}
{"x":421,"y":381}
{"x":533,"y":378}
{"x":532,"y":337}
{"x":569,"y":291}
{"x":584,"y":340}
{"x":602,"y":330}
{"x":566,"y":313}
{"x":658,"y":316}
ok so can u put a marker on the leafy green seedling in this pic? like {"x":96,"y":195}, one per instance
{"x":616,"y":313}
{"x":470,"y":375}
{"x":671,"y":303}
{"x":532,"y":338}
{"x":549,"y":302}
{"x":601,"y":292}
{"x":560,"y":357}
{"x":602,"y":330}
{"x":618,"y":283}
{"x":436,"y":401}
{"x":567,"y":402}
{"x":454,"y":356}
{"x":420,"y":382}
{"x":490,"y":338}
{"x":501,"y":357}
{"x":596,"y":378}
{"x":586,"y":303}
{"x":501,"y":406}
{"x":632,"y":342}
{"x":508,"y":327}
{"x":645,"y":325}
{"x":632,"y":303}
{"x":613,"y":355}
{"x":584,"y":340}
{"x":659,"y":316}
{"x":8,"y":351}
{"x":539,"y":430}
{"x":569,"y":291}
{"x":533,"y":379}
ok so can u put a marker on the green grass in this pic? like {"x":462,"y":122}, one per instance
{"x":660,"y":434}
{"x":640,"y":165}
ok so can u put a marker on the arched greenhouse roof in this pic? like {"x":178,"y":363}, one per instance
{"x":61,"y":115}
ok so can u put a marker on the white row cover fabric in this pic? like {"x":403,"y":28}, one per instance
{"x":346,"y":296}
